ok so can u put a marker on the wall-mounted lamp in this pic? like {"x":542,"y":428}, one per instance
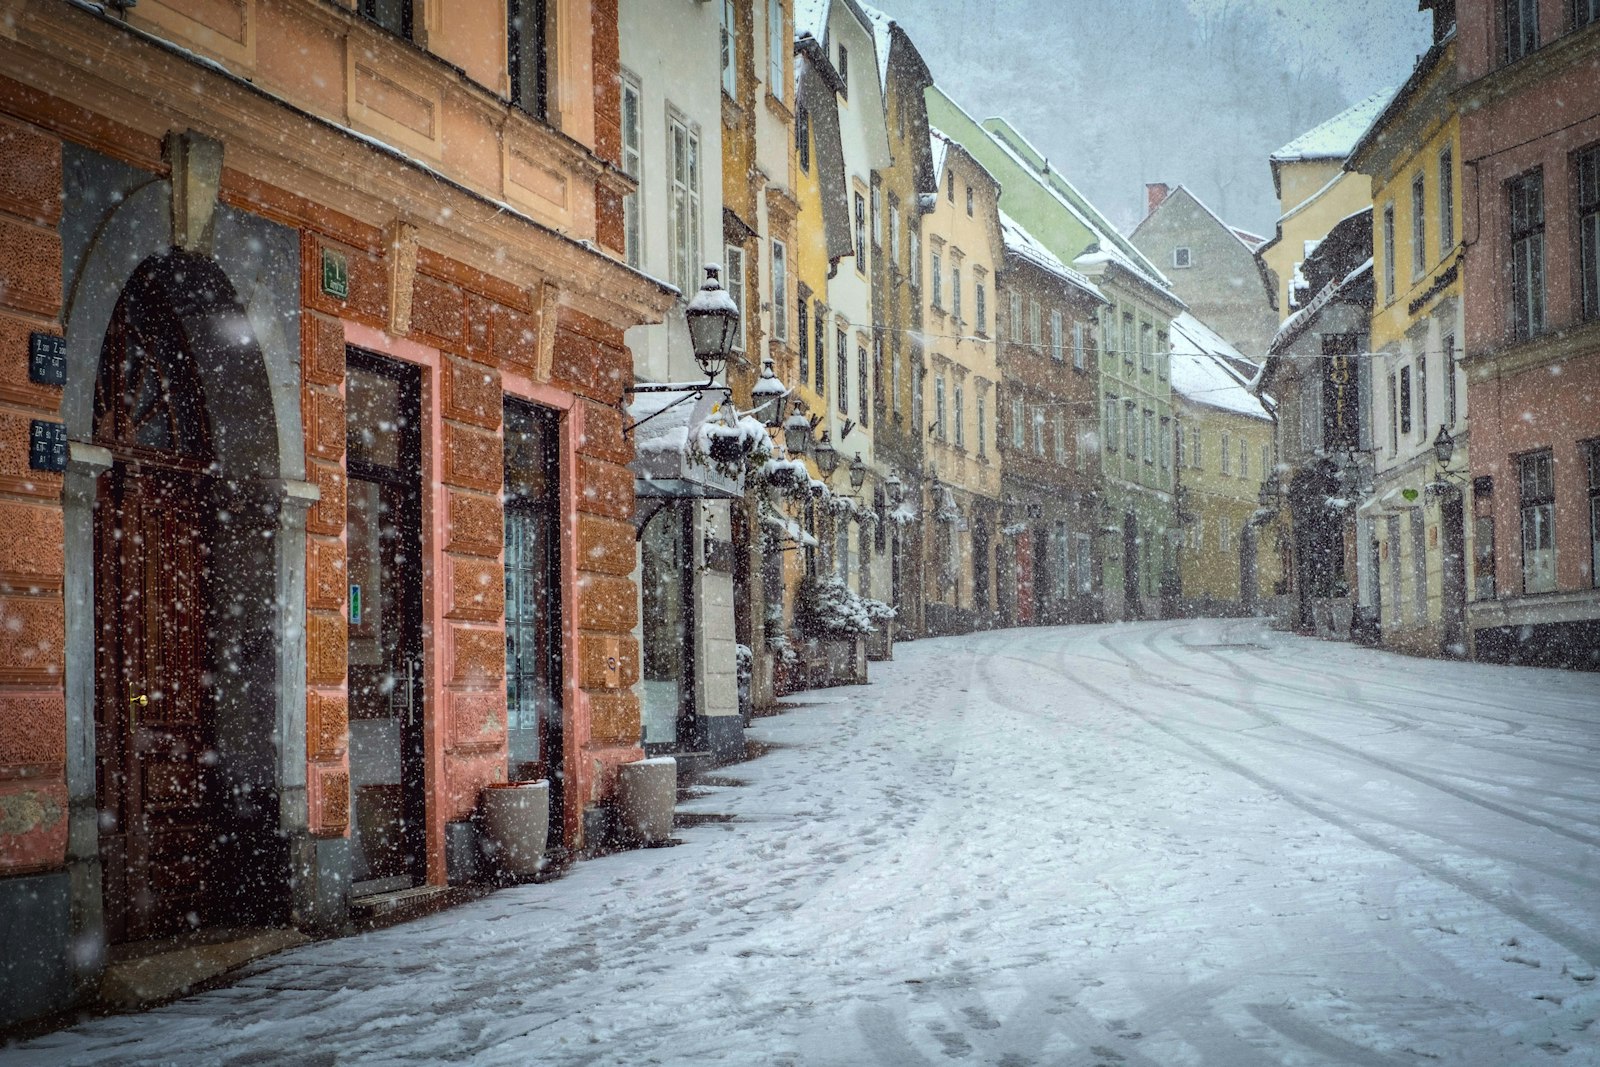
{"x":713,"y":324}
{"x":858,"y":472}
{"x":826,"y":455}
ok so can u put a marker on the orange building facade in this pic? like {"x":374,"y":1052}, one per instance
{"x":316,"y":512}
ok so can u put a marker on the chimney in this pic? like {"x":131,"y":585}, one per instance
{"x":1154,"y":193}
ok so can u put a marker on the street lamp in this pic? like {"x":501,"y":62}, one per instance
{"x":1444,"y":446}
{"x":772,"y":394}
{"x":858,"y":472}
{"x":797,"y":434}
{"x":713,"y":323}
{"x":897,"y":489}
{"x":826,"y":455}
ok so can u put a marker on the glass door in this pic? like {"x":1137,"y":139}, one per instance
{"x":665,"y":566}
{"x":533,"y":601}
{"x":383,"y":522}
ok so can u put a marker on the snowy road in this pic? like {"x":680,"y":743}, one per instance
{"x":1157,"y":844}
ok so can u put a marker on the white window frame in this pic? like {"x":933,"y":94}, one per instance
{"x":683,"y":203}
{"x":776,"y":50}
{"x":733,"y":282}
{"x":728,"y":34}
{"x":780,"y":291}
{"x":633,"y":167}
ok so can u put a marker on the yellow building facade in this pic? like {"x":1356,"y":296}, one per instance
{"x":961,"y":251}
{"x":1414,"y":525}
{"x":1228,"y":561}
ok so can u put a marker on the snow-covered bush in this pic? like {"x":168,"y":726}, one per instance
{"x":826,"y":608}
{"x":878,"y":611}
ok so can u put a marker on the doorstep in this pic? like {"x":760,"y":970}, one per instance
{"x":385,"y":909}
{"x":153,"y":972}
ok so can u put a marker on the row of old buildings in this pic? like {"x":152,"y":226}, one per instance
{"x":363,"y":453}
{"x":1435,"y":275}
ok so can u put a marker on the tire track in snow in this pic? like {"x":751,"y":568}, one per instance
{"x":1252,"y":708}
{"x":1573,"y":940}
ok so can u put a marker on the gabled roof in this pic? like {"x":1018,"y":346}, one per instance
{"x":1335,"y":138}
{"x":1203,"y":206}
{"x":1204,"y":370}
{"x":1401,"y":99}
{"x":1024,"y":245}
{"x":882,"y":33}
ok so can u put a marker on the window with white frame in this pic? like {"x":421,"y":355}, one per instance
{"x":1419,"y":226}
{"x":955,"y":292}
{"x":728,"y":34}
{"x":877,"y":216}
{"x":683,"y":204}
{"x":1038,"y":431}
{"x":1163,"y":354}
{"x":861,"y":233}
{"x":1149,"y":426}
{"x":780,"y":292}
{"x":1130,"y":429}
{"x":894,"y":232}
{"x":959,"y":411}
{"x":632,"y":231}
{"x":1537,"y":477}
{"x":914,"y":255}
{"x":842,"y":378}
{"x":1447,"y":201}
{"x":1035,"y":324}
{"x":1163,"y":446}
{"x":1227,"y":453}
{"x":1388,"y":252}
{"x":1448,"y":355}
{"x":919,"y":382}
{"x":1181,"y":257}
{"x":936,"y":271}
{"x":1197,"y":450}
{"x":1588,"y":167}
{"x":983,"y":425}
{"x":1018,"y":421}
{"x":1083,"y":439}
{"x":863,"y":390}
{"x":980,"y":307}
{"x":1060,"y":426}
{"x":1057,"y":350}
{"x":1146,"y":353}
{"x":1244,"y":459}
{"x":1077,"y":346}
{"x":1016,"y":315}
{"x":733,"y":281}
{"x":939,"y":423}
{"x":777,"y":47}
{"x":1108,"y":424}
{"x":1128,"y":344}
{"x":1527,"y":255}
{"x":1177,"y":434}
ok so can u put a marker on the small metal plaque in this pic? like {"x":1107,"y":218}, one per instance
{"x":355,"y":604}
{"x":47,"y":446}
{"x":335,"y":274}
{"x":47,"y":359}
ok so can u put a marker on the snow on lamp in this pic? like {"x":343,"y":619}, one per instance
{"x":713,"y":321}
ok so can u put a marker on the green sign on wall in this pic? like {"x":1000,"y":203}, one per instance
{"x":335,"y":274}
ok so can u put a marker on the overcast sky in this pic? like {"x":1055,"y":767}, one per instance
{"x":1122,"y":92}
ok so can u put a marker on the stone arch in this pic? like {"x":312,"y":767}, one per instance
{"x":242,"y":321}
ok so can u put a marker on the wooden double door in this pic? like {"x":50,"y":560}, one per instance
{"x":157,"y":761}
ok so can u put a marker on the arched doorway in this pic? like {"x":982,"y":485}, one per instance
{"x":157,"y":791}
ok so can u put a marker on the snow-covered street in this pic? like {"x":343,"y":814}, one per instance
{"x":1161,"y":843}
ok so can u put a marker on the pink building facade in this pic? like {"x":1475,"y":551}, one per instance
{"x":1530,"y":134}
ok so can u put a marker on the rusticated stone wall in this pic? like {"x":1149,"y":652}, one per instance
{"x":33,"y":724}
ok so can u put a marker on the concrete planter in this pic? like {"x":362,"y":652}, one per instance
{"x":847,"y":661}
{"x":516,"y":822}
{"x":647,"y":792}
{"x":880,"y":646}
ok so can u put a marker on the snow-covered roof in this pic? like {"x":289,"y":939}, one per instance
{"x":1295,"y":324}
{"x":881,"y":25}
{"x":939,"y":144}
{"x":1201,"y":372}
{"x":811,"y":17}
{"x":1335,"y":138}
{"x":1024,"y":244}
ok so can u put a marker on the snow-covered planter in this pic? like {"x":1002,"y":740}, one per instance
{"x":825,"y":608}
{"x":880,"y":645}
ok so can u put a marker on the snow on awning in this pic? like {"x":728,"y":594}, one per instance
{"x":672,"y":450}
{"x":789,"y":529}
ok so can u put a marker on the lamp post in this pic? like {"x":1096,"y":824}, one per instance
{"x":713,"y":320}
{"x":713,"y":324}
{"x":858,"y":472}
{"x":897,"y":489}
{"x":826,"y":455}
{"x":772,"y":394}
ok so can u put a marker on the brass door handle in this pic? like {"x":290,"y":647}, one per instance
{"x":135,"y":703}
